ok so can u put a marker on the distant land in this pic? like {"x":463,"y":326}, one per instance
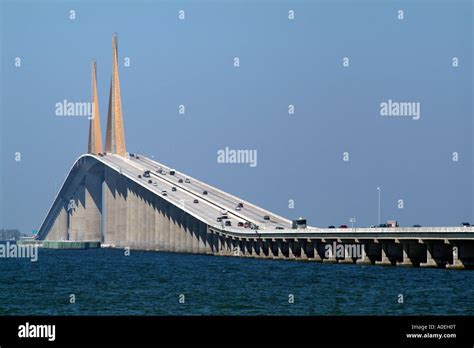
{"x":10,"y":234}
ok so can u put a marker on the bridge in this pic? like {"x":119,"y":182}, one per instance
{"x":125,"y":200}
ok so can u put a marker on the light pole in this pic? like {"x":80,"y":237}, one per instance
{"x":379,"y":188}
{"x":352,"y":220}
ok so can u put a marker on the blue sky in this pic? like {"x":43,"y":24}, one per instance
{"x":282,"y":62}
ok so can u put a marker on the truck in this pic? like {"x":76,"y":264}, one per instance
{"x":299,"y":223}
{"x":392,"y":223}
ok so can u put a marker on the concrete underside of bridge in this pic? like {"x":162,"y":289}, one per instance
{"x":98,"y":203}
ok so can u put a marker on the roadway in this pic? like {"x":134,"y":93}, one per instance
{"x":208,"y":207}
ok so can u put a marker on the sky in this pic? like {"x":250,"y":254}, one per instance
{"x":324,"y":162}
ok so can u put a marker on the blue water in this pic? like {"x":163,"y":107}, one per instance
{"x":106,"y":282}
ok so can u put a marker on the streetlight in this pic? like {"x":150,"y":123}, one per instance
{"x":352,"y":220}
{"x":379,"y":188}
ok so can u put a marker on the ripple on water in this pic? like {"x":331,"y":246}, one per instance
{"x":106,"y":282}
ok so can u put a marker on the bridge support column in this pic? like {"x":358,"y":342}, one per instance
{"x":259,"y":247}
{"x":308,"y":249}
{"x":364,"y":258}
{"x":265,"y":250}
{"x":279,"y":244}
{"x":385,"y":260}
{"x":93,"y":204}
{"x":462,"y":255}
{"x":248,"y":247}
{"x":271,"y":248}
{"x":350,"y":249}
{"x":328,"y":252}
{"x":303,"y":249}
{"x":431,"y":260}
{"x":291,"y":247}
{"x":243,"y":247}
{"x":412,"y":254}
{"x":371,"y":252}
{"x":318,"y":254}
{"x":390,"y":253}
{"x":228,"y":246}
{"x":236,"y":247}
{"x":457,"y":263}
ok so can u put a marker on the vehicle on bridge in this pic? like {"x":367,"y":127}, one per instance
{"x":392,"y":223}
{"x":299,"y":223}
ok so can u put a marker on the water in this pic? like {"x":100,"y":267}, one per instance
{"x":105,"y":282}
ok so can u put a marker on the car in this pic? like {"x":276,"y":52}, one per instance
{"x":343,"y":226}
{"x":139,"y":176}
{"x":204,"y":192}
{"x":266,"y":217}
{"x":238,"y":208}
{"x":219,"y":219}
{"x":150,"y":181}
{"x":195,"y":201}
{"x":146,"y":174}
{"x":159,"y":170}
{"x":155,"y":184}
{"x":466,"y":224}
{"x":383,"y":225}
{"x":223,"y":212}
{"x":416,"y":225}
{"x":246,"y":224}
{"x":164,"y":193}
{"x":137,"y":157}
{"x":187,"y":181}
{"x":132,"y":155}
{"x":278,"y":228}
{"x":163,"y":172}
{"x":240,"y":224}
{"x":373,"y":226}
{"x":228,"y":223}
{"x":101,"y":155}
{"x":173,"y":188}
{"x":241,"y":205}
{"x":180,"y":181}
{"x":172,"y":172}
{"x":331,"y":226}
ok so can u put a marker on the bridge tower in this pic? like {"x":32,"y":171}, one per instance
{"x":115,"y":136}
{"x":95,"y":134}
